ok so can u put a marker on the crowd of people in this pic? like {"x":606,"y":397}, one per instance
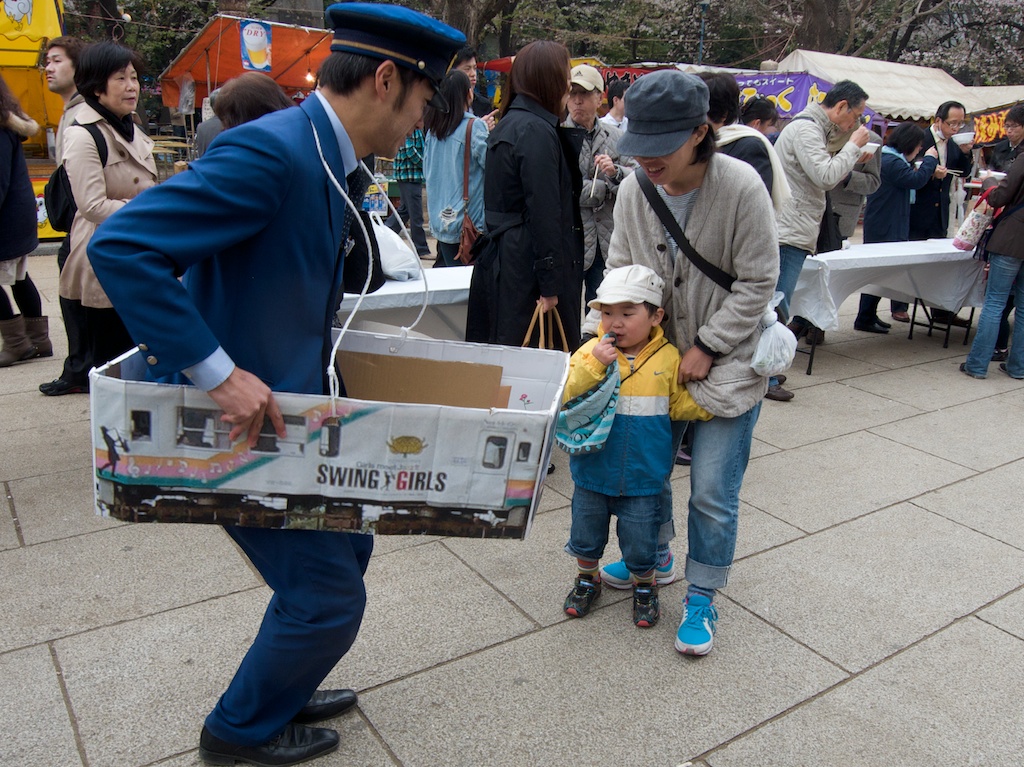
{"x":674,"y":218}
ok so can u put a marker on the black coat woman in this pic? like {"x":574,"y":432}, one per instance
{"x":531,"y":187}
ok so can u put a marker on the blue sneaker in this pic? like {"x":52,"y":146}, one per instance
{"x":618,"y":577}
{"x":697,"y":630}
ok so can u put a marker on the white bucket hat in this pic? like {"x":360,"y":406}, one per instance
{"x":633,"y":284}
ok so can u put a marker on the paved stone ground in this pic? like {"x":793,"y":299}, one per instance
{"x":875,"y":614}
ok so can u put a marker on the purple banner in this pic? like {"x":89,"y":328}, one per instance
{"x":791,"y":91}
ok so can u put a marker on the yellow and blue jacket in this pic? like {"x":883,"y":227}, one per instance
{"x":637,"y":456}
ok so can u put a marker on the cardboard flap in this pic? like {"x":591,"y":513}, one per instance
{"x":386,"y":378}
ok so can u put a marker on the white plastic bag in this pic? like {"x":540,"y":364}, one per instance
{"x":397,"y":259}
{"x":777,"y":346}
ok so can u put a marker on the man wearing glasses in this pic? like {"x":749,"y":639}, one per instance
{"x":929,"y":215}
{"x":1007,"y":149}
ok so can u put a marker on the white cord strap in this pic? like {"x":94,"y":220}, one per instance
{"x":332,"y":371}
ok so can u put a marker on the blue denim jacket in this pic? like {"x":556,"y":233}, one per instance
{"x":442,"y":168}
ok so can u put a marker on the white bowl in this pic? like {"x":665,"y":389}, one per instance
{"x":963,"y":138}
{"x":871,"y":147}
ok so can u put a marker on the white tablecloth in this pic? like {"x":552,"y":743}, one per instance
{"x":397,"y":303}
{"x":932,"y":270}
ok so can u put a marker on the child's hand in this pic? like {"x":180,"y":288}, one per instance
{"x":605,"y":352}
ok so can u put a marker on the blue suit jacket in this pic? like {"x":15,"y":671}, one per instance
{"x":256,"y":228}
{"x":887,"y":213}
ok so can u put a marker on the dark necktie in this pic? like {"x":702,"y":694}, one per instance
{"x":357,"y":182}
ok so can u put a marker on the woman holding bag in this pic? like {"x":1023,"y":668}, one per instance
{"x":1005,"y":278}
{"x":531,"y":187}
{"x":453,"y":164}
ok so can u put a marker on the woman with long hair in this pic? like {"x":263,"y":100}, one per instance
{"x":531,"y":186}
{"x":25,"y":335}
{"x":109,"y":160}
{"x":444,"y":158}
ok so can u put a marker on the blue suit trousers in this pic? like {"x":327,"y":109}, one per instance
{"x":311,"y":622}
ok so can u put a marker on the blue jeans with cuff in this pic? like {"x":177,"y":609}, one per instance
{"x":720,"y":453}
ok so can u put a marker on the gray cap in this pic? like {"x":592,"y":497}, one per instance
{"x":663,"y":108}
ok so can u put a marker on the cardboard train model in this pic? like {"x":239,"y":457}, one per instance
{"x":435,"y":437}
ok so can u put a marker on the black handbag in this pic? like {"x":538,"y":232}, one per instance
{"x":829,"y":238}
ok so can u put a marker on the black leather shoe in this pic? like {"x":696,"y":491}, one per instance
{"x":942,"y":317}
{"x":326,"y":704}
{"x":295,"y":745}
{"x":885,"y":325}
{"x":58,"y":387}
{"x":798,"y":326}
{"x":874,"y":327}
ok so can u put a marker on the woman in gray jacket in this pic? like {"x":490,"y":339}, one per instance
{"x":724,"y":210}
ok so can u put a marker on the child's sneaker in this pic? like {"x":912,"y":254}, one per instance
{"x":618,"y":577}
{"x":646,"y":609}
{"x":697,"y":630}
{"x":584,"y":591}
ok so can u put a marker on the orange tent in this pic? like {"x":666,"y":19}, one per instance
{"x":215,"y":56}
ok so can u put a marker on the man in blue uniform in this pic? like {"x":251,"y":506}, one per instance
{"x":257,"y":227}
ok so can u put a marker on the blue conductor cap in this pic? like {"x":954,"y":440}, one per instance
{"x":409,"y":38}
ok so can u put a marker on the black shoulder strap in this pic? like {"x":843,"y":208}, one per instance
{"x":97,"y":137}
{"x":719,"y":276}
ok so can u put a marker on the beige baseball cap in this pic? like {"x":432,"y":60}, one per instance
{"x":587,"y":77}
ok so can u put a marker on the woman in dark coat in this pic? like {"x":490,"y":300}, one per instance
{"x":887,"y":213}
{"x":531,"y":185}
{"x":25,"y":335}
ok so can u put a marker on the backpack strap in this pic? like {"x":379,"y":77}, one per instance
{"x":97,"y":137}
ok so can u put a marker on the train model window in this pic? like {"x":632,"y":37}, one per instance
{"x":142,"y":425}
{"x":202,"y":427}
{"x":523,"y":451}
{"x":494,"y":452}
{"x":293,"y":441}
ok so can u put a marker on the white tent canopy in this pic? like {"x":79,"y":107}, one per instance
{"x":997,"y":96}
{"x":897,"y":91}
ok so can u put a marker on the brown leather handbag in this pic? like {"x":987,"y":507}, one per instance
{"x":469,"y":233}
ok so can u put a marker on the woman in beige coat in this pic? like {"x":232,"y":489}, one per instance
{"x":108,"y":81}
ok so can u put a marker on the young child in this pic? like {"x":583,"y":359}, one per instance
{"x":625,"y":478}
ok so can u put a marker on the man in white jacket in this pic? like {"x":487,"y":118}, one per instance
{"x":811,"y":170}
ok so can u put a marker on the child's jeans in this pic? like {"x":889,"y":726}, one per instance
{"x":637,"y":527}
